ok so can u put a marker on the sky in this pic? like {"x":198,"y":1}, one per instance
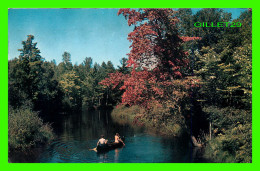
{"x":96,"y":33}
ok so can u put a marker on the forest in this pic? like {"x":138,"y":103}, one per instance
{"x":178,"y":80}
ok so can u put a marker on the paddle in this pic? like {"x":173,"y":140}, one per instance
{"x":122,"y":140}
{"x":93,"y":149}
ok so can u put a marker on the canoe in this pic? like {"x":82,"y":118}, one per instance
{"x":109,"y":146}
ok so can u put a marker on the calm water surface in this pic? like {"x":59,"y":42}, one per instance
{"x":78,"y":133}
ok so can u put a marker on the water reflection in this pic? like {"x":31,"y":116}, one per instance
{"x":78,"y":133}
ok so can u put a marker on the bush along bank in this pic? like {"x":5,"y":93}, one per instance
{"x":158,"y":120}
{"x":231,"y":139}
{"x":27,"y":130}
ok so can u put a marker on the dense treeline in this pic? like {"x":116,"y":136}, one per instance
{"x":46,"y":86}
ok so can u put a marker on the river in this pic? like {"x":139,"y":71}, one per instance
{"x":79,"y":132}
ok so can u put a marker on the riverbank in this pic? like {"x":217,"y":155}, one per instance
{"x":26,"y":130}
{"x":158,"y":120}
{"x":79,"y":132}
{"x":229,"y":143}
{"x":231,"y":140}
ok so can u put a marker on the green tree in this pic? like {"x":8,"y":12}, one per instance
{"x":49,"y":98}
{"x":222,"y":67}
{"x":26,"y":73}
{"x":123,"y":69}
{"x":70,"y":86}
{"x":66,"y":58}
{"x":225,"y":71}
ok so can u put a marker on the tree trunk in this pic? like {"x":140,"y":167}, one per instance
{"x":210,"y":130}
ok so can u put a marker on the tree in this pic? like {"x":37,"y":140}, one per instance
{"x":32,"y":80}
{"x":225,"y":68}
{"x":156,"y":56}
{"x":25,"y":73}
{"x":70,"y":85}
{"x":87,"y":63}
{"x":123,"y":69}
{"x":16,"y":95}
{"x":66,"y":58}
{"x":109,"y":67}
{"x":50,"y":96}
{"x":210,"y":36}
{"x":186,"y":21}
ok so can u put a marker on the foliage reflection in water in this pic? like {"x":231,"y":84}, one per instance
{"x":78,"y":133}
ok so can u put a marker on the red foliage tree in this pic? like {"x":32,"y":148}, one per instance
{"x":157,"y":50}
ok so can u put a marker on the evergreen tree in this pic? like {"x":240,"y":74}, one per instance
{"x":26,"y":73}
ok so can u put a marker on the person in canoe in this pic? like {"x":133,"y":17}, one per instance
{"x":102,"y":141}
{"x":118,"y":139}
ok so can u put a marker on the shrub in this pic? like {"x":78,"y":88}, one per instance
{"x":126,"y":115}
{"x":159,"y":119}
{"x":232,"y":141}
{"x":26,"y":129}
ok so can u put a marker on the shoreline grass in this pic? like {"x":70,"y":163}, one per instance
{"x":136,"y":116}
